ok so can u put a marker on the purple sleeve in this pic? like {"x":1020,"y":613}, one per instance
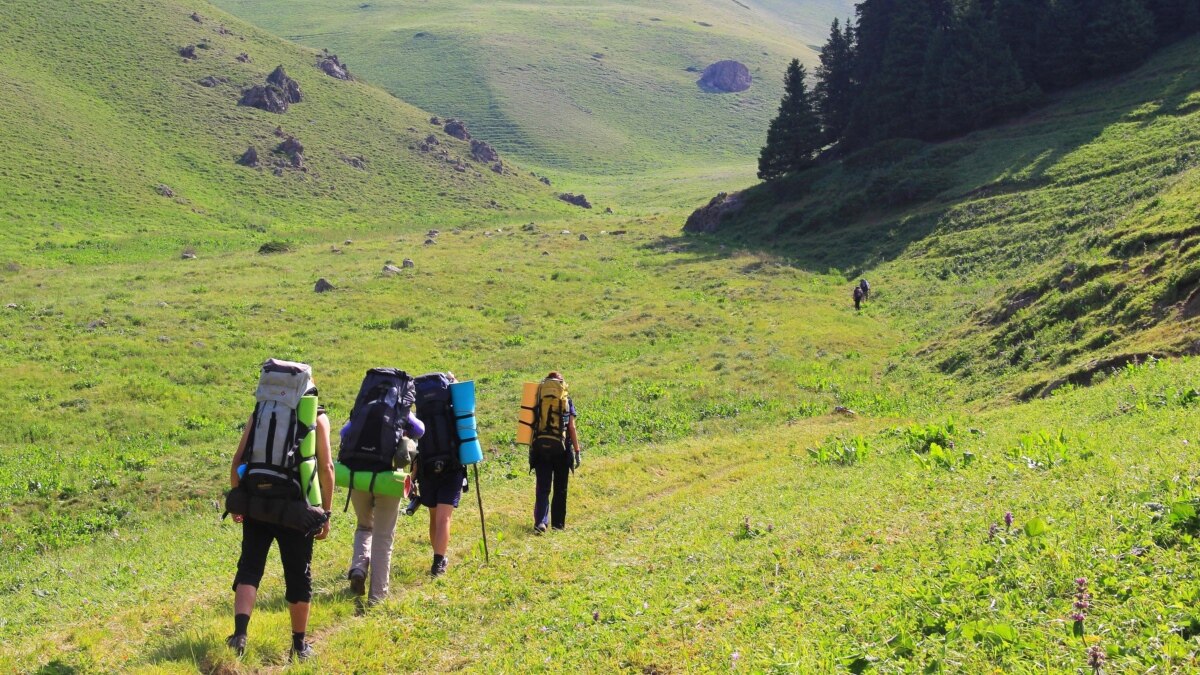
{"x":414,"y":428}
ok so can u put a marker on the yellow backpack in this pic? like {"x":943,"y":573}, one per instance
{"x":549,"y":420}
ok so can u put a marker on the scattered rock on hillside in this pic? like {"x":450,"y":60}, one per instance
{"x":460,"y":167}
{"x":188,"y":52}
{"x":726,"y":76}
{"x":843,"y":410}
{"x":211,"y":81}
{"x":544,"y":180}
{"x":293,"y":150}
{"x":498,"y":168}
{"x":577,"y":200}
{"x":187,"y":255}
{"x":222,"y":30}
{"x":243,"y":58}
{"x":608,"y":210}
{"x":13,"y":305}
{"x":565,"y":232}
{"x":584,"y":237}
{"x":356,"y":161}
{"x":430,"y":242}
{"x":483,"y":152}
{"x":408,"y":263}
{"x":164,"y":190}
{"x":692,"y":69}
{"x":323,"y":286}
{"x":435,"y":120}
{"x":334,"y":68}
{"x":433,"y":233}
{"x":197,"y":18}
{"x":269,"y":98}
{"x":390,"y":270}
{"x":457,"y":129}
{"x":249,"y":157}
{"x":708,"y":218}
{"x":290,"y":87}
{"x":98,"y":323}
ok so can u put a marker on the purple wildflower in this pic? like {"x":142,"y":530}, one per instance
{"x":992,"y":531}
{"x":1078,"y":616}
{"x":1008,"y":519}
{"x":1083,"y":600}
{"x":1096,"y":658}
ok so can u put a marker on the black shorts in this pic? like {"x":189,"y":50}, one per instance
{"x":442,"y":490}
{"x":295,"y":551}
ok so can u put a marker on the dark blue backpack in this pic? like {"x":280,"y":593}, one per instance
{"x":377,"y":420}
{"x":437,"y":450}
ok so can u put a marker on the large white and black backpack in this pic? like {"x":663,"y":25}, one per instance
{"x":372,"y":441}
{"x":272,"y":454}
{"x":437,"y":450}
{"x":550,"y":422}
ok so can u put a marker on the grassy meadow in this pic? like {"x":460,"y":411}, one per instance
{"x":726,"y":518}
{"x":573,"y":87}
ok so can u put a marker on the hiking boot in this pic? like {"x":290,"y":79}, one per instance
{"x":438,"y":568}
{"x":303,"y":654}
{"x":358,"y":582}
{"x":237,"y":643}
{"x":540,"y":528}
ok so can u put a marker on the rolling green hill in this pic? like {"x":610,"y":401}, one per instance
{"x":98,"y":109}
{"x":772,"y":482}
{"x":1033,"y":254}
{"x":577,"y":88}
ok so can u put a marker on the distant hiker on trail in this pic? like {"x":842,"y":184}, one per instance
{"x":439,"y":473}
{"x":866,"y":289}
{"x":378,"y":439}
{"x":858,"y":297}
{"x":272,"y":476}
{"x":553,"y":453}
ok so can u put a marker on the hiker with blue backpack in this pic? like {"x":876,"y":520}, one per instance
{"x":282,"y":488}
{"x":378,"y":440}
{"x":440,"y":475}
{"x":553,"y":452}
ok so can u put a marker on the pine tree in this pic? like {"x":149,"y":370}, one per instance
{"x":794,"y":136}
{"x":1017,"y":24}
{"x":834,"y":92}
{"x":1060,"y":61}
{"x":888,"y":107}
{"x":971,"y":78}
{"x":1118,"y":37}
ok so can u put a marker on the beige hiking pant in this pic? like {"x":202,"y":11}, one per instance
{"x":373,"y":539}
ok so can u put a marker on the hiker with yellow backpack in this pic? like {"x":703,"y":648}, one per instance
{"x":553,"y":449}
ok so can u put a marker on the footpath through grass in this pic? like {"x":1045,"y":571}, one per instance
{"x":726,"y":552}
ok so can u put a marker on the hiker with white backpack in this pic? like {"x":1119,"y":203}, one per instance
{"x":282,"y":489}
{"x":553,"y":452}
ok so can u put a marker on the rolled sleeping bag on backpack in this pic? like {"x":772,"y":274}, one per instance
{"x":525,"y":417}
{"x":462,"y":396}
{"x":414,"y":428}
{"x":384,"y":483}
{"x":310,"y":484}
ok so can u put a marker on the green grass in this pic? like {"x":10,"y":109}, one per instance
{"x":88,"y":132}
{"x":573,"y":87}
{"x":1026,"y":254}
{"x":725,"y":518}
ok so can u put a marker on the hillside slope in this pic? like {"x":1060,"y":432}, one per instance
{"x":98,"y":109}
{"x":575,"y":87}
{"x":1031,"y":255}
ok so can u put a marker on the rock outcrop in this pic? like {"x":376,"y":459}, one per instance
{"x":334,"y":68}
{"x":457,"y":129}
{"x":269,"y":98}
{"x":211,"y":81}
{"x":726,"y":76}
{"x":249,"y":157}
{"x":293,"y":150}
{"x":290,"y":87}
{"x":189,"y":52}
{"x":323,"y":286}
{"x":577,"y":200}
{"x":483,"y":152}
{"x":708,"y":218}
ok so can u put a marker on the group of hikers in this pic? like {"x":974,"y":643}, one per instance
{"x":862,"y":293}
{"x":283,"y":475}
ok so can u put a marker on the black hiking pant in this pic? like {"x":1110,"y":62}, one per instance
{"x":550,"y":500}
{"x":295,"y":552}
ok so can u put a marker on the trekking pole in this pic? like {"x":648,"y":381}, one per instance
{"x":487,"y":558}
